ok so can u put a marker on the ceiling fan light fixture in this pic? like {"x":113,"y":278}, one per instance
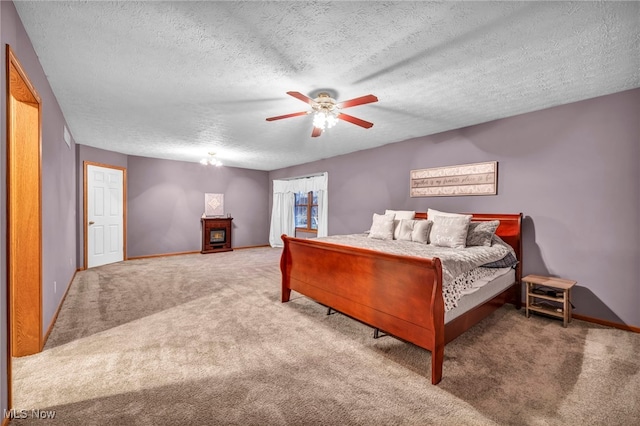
{"x":324,"y":120}
{"x":327,"y":111}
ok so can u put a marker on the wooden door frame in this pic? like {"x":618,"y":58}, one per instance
{"x":85,"y":220}
{"x":29,"y":95}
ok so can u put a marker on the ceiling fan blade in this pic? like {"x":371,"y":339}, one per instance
{"x":303,"y":98}
{"x":316,"y":132}
{"x":295,"y":114}
{"x":355,"y":120}
{"x":357,"y":101}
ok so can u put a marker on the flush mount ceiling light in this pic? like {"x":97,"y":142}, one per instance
{"x":211,"y":160}
{"x":327,"y":111}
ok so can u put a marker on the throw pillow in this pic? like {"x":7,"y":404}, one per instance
{"x":399,"y":215}
{"x":431,"y":213}
{"x":402,"y":214}
{"x":421,"y":229}
{"x":404,"y":229}
{"x":449,"y":231}
{"x":481,"y":233}
{"x":382,"y":227}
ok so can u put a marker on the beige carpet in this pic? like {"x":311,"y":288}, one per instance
{"x":204,"y":340}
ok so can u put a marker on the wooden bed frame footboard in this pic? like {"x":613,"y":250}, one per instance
{"x":398,"y":294}
{"x":401,"y":295}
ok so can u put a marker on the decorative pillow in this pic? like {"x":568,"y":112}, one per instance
{"x":374,"y":215}
{"x":449,"y":231}
{"x":421,"y":229}
{"x":506,"y":262}
{"x":396,"y":229}
{"x":382,"y":227}
{"x":402,"y":214}
{"x":399,"y":215}
{"x":481,"y":233}
{"x":404,"y":229}
{"x":431,"y":213}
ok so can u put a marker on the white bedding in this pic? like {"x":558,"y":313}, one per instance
{"x":460,"y":267}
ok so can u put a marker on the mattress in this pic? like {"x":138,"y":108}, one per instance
{"x":505,"y":278}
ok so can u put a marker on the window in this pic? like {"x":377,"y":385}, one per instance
{"x":304,"y":198}
{"x":306,"y":211}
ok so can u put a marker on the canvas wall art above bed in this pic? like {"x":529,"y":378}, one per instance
{"x":465,"y":179}
{"x":422,"y":277}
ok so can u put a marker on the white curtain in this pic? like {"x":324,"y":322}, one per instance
{"x":282,"y":215}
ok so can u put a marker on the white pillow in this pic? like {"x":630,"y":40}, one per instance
{"x":421,"y":230}
{"x":404,"y":230}
{"x":374,"y":216}
{"x":400,"y":214}
{"x":382,"y":227}
{"x":431,"y":213}
{"x":413,"y":230}
{"x":449,"y":231}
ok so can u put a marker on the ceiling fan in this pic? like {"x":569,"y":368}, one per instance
{"x":328,"y":111}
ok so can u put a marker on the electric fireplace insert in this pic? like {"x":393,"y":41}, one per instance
{"x":216,"y":234}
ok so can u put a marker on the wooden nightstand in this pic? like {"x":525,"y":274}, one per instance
{"x":550,"y":296}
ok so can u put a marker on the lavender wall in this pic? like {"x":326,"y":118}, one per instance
{"x":58,"y":183}
{"x":166,"y":200}
{"x":571,"y":170}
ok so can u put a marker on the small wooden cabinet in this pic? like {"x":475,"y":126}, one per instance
{"x":550,"y":296}
{"x":216,"y":234}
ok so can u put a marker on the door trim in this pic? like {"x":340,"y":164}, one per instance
{"x":85,"y":219}
{"x":18,"y":81}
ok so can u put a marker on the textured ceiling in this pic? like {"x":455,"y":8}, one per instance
{"x":176,"y":80}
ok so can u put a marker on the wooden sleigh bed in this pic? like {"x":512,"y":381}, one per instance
{"x":400,"y":295}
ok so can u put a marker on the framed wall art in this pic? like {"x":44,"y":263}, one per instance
{"x":465,"y":179}
{"x":213,"y":205}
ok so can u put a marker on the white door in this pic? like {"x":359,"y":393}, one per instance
{"x":105,"y":216}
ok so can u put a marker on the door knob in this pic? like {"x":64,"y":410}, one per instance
{"x":91,"y":222}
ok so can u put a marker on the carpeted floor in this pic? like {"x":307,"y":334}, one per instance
{"x":204,"y":340}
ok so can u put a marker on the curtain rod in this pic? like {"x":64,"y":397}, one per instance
{"x":303,"y":177}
